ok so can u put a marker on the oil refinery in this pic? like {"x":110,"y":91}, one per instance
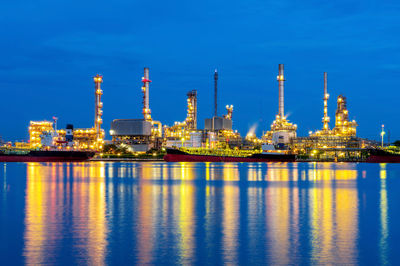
{"x":141,"y":135}
{"x":45,"y":135}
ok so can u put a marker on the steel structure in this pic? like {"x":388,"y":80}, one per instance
{"x":215,"y":93}
{"x":36,"y":128}
{"x":281,"y":81}
{"x":229,"y":110}
{"x":326,"y":119}
{"x":343,"y":127}
{"x":191,"y":118}
{"x":281,"y":129}
{"x":183,"y":130}
{"x":145,"y":89}
{"x":98,"y":121}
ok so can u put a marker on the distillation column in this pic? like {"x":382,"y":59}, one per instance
{"x":145,"y":89}
{"x":191,"y":119}
{"x":98,"y":79}
{"x":326,"y":118}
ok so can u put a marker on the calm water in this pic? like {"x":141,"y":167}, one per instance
{"x":197,"y":213}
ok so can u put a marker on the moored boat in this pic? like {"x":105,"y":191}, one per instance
{"x":226,"y":155}
{"x":383,"y":156}
{"x":24,"y":155}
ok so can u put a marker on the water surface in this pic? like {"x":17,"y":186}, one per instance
{"x":196,"y":213}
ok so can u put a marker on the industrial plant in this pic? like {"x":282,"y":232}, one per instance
{"x":341,"y":142}
{"x":141,"y":135}
{"x":45,"y":135}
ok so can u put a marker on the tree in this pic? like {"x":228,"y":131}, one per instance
{"x":114,"y":149}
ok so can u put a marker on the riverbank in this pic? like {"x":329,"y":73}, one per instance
{"x":122,"y":159}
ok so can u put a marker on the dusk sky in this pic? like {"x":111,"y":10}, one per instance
{"x":50,"y":50}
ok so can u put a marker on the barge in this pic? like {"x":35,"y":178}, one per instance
{"x":226,"y":155}
{"x":383,"y":156}
{"x":26,"y":155}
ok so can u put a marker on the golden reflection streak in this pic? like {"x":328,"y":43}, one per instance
{"x":147,"y":206}
{"x":383,"y":206}
{"x":47,"y":200}
{"x":332,"y":171}
{"x":278,"y":218}
{"x":207,"y":164}
{"x":277,"y":172}
{"x":230,"y":214}
{"x":207,"y":171}
{"x":5,"y":178}
{"x":96,"y":226}
{"x":165,"y":169}
{"x":35,"y":232}
{"x":333,"y":217}
{"x":186,"y":213}
{"x":282,"y":212}
{"x":346,"y":221}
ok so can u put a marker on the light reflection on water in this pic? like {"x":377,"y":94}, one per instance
{"x":187,"y":213}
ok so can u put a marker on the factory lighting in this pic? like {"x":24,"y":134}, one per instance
{"x":99,"y":132}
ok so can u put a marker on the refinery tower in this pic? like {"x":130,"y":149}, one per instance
{"x":218,"y":123}
{"x":282,"y":131}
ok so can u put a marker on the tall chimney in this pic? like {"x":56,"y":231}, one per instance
{"x":98,"y":79}
{"x":145,"y":89}
{"x":326,"y":119}
{"x":281,"y":81}
{"x":215,"y":92}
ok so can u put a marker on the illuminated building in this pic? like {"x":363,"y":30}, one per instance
{"x":135,"y":134}
{"x":36,"y":129}
{"x":84,"y":138}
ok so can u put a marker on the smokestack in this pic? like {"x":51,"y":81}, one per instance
{"x":326,"y":118}
{"x":215,"y":92}
{"x":98,"y":79}
{"x":145,"y":89}
{"x":281,"y":81}
{"x":146,"y":84}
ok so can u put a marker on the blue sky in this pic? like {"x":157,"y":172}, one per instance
{"x":50,"y":50}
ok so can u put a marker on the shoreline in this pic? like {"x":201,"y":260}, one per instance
{"x":126,"y":159}
{"x":162,"y":160}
